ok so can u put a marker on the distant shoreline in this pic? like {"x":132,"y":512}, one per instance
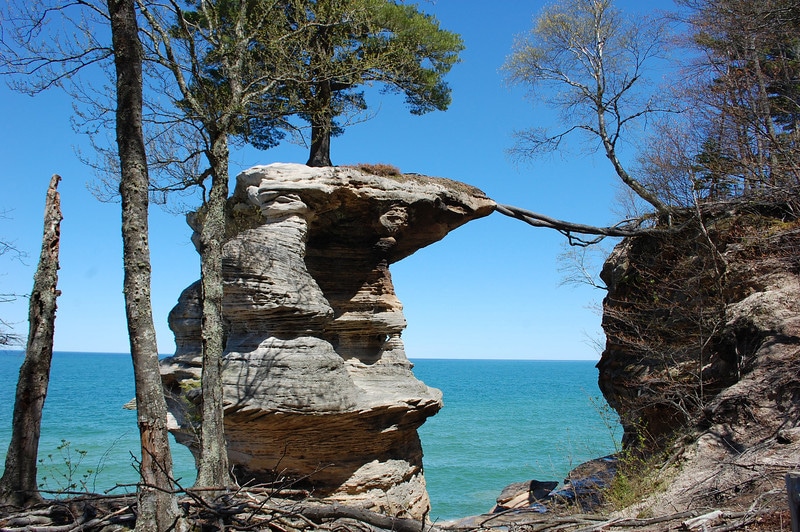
{"x":20,"y":352}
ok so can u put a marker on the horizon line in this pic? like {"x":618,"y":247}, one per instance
{"x":501,"y":358}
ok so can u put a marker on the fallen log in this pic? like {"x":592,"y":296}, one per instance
{"x":332,"y":511}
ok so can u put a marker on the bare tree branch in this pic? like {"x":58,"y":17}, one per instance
{"x":47,"y":42}
{"x":572,"y":230}
{"x":588,"y":60}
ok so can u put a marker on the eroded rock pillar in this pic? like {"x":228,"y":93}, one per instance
{"x":317,"y":383}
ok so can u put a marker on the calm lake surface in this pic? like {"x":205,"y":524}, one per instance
{"x":504,"y":421}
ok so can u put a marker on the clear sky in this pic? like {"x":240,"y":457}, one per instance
{"x":490,"y":289}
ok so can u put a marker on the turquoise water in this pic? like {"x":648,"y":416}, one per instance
{"x":508,"y":421}
{"x":84,"y":408}
{"x":504,"y":421}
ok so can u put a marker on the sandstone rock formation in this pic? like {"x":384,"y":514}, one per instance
{"x":317,"y":383}
{"x":703,"y":357}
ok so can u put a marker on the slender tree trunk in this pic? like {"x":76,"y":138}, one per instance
{"x":600,"y":108}
{"x":321,"y":127}
{"x":611,"y":154}
{"x":762,"y":108}
{"x":18,"y":485}
{"x":157,"y":505}
{"x":213,"y":470}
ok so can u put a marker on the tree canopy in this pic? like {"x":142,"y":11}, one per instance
{"x":340,"y":46}
{"x":751,"y":89}
{"x":739,"y":95}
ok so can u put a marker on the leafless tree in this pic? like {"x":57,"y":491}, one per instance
{"x":18,"y":484}
{"x":7,"y":335}
{"x":157,"y":504}
{"x":52,"y":44}
{"x":590,"y":61}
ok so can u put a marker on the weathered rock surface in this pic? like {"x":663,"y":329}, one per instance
{"x":524,"y":495}
{"x":317,"y":383}
{"x":707,"y":365}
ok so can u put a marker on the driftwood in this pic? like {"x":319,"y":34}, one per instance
{"x":89,"y":512}
{"x":247,"y":511}
{"x":260,"y":509}
{"x":702,"y":521}
{"x":321,"y":513}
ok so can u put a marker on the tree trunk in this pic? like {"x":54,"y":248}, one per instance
{"x":793,"y":491}
{"x":764,"y":114}
{"x":213,"y":469}
{"x":157,"y":505}
{"x":18,"y":485}
{"x":623,"y":174}
{"x":321,"y":127}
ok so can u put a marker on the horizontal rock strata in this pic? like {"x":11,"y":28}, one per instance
{"x":317,"y":383}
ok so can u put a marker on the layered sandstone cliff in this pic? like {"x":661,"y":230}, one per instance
{"x":317,"y":384}
{"x":703,"y":356}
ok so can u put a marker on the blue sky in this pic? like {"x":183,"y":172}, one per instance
{"x":490,"y":289}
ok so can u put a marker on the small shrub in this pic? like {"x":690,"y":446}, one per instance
{"x":64,"y":473}
{"x":636,"y":477}
{"x":379,"y":169}
{"x":626,"y":489}
{"x":189,"y":388}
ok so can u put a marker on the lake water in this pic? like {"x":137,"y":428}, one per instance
{"x":504,"y":421}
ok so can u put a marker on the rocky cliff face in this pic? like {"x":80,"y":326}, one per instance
{"x":703,"y":356}
{"x":317,"y":383}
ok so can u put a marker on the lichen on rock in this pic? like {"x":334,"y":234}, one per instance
{"x":317,"y":383}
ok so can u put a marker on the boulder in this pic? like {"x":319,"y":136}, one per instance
{"x":318,"y":390}
{"x":582,"y":489}
{"x":520,"y":495}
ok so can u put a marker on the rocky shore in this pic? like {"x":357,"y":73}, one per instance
{"x":709,"y":386}
{"x":701,"y":360}
{"x":702,"y":363}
